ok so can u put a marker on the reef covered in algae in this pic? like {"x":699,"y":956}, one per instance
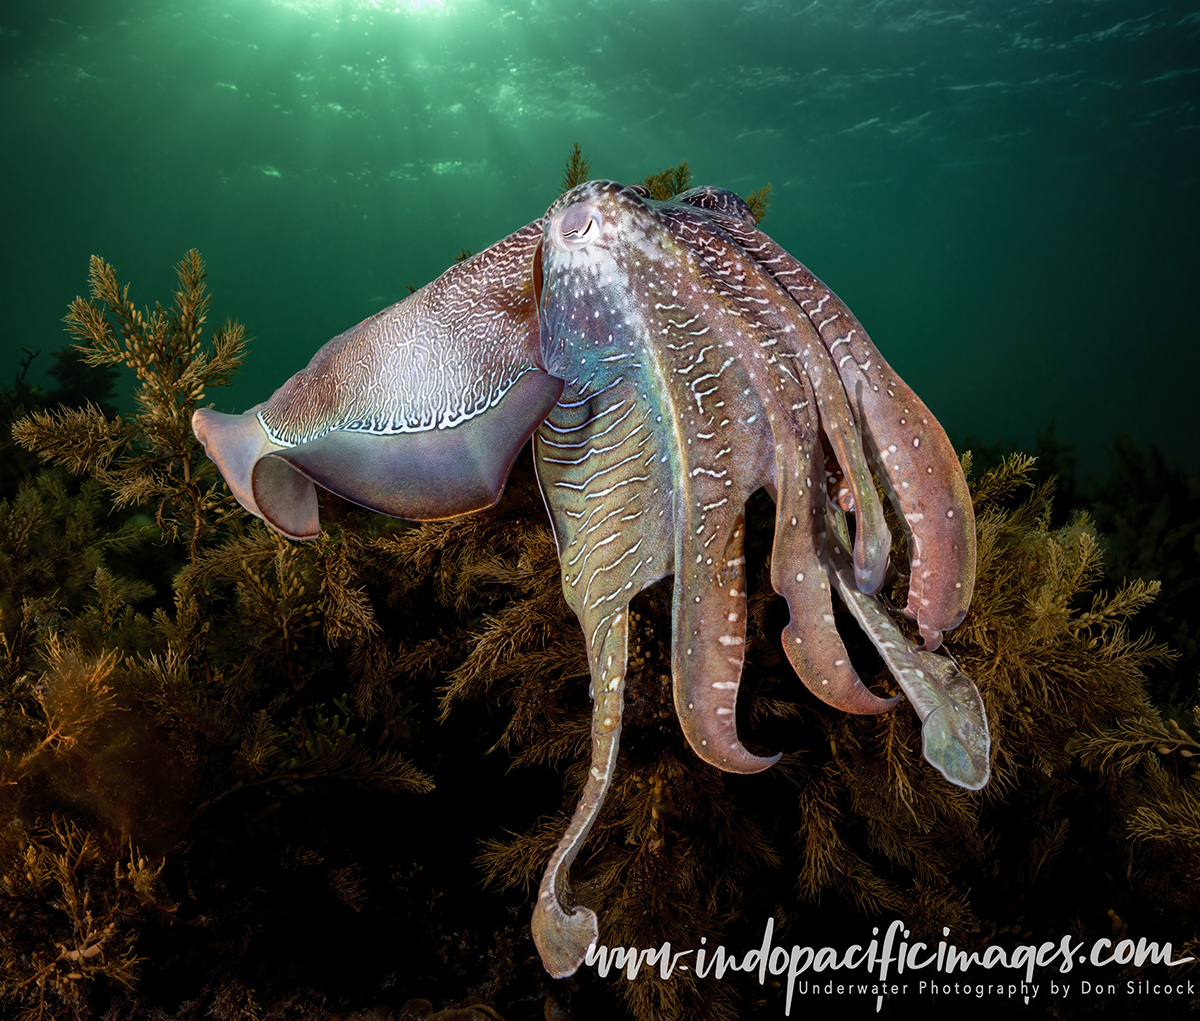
{"x":244,"y":777}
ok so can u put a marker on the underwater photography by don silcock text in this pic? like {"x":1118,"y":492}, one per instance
{"x":720,"y":591}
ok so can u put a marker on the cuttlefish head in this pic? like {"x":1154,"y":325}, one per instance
{"x":417,"y":412}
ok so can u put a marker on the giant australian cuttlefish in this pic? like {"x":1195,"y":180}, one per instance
{"x":668,"y":359}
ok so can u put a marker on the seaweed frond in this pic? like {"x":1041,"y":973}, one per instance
{"x":759,"y":202}
{"x":154,"y":457}
{"x":576,"y":171}
{"x":668,"y":182}
{"x":50,"y":963}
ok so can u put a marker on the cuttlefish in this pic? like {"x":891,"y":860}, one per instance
{"x":667,"y":359}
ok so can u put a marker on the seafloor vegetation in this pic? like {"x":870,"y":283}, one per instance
{"x":243,"y":777}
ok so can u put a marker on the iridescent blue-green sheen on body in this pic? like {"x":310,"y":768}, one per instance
{"x":668,"y":360}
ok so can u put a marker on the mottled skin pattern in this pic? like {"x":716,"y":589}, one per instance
{"x":417,"y":412}
{"x":907,"y":448}
{"x":668,"y":360}
{"x":692,"y":379}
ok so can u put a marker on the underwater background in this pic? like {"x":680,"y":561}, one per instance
{"x":244,"y":778}
{"x":1007,"y":194}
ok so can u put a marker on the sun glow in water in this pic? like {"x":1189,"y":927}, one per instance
{"x":352,"y":8}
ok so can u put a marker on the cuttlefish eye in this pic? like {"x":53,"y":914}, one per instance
{"x":578,"y":225}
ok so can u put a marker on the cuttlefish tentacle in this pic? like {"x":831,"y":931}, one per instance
{"x":611,"y":544}
{"x":905,"y":443}
{"x":563,"y":935}
{"x":954,"y":727}
{"x":723,"y":458}
{"x":604,"y":472}
{"x":718,"y":200}
{"x":799,"y":574}
{"x":784,"y":334}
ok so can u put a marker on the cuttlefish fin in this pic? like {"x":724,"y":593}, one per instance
{"x":563,"y":935}
{"x":237,"y":444}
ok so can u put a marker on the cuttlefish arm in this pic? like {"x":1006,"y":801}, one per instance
{"x":747,"y":316}
{"x":783,"y":336}
{"x":417,"y":412}
{"x":644,"y":291}
{"x":563,"y":935}
{"x":954,"y":727}
{"x":639,"y":482}
{"x":645,"y":470}
{"x":906,"y":445}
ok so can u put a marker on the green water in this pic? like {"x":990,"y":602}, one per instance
{"x":1006,"y":193}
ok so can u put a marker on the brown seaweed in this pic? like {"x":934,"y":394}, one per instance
{"x":217,"y":783}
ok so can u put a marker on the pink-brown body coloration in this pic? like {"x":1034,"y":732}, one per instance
{"x":668,"y":360}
